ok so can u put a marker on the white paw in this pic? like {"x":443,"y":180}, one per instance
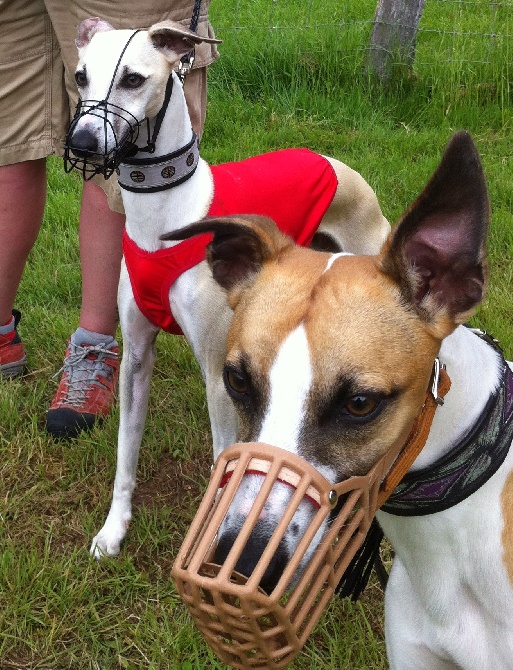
{"x":109,"y":539}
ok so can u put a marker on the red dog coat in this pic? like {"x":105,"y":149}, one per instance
{"x":294,"y":187}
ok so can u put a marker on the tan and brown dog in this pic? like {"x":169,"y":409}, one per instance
{"x":329,"y":357}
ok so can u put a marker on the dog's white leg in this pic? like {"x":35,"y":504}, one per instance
{"x":223,"y":418}
{"x":135,"y":375}
{"x":200,"y":307}
{"x":410,"y":640}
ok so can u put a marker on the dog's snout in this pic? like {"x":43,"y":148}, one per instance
{"x":251,"y":555}
{"x":83,"y":142}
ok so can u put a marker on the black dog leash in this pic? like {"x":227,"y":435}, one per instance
{"x":187,"y":61}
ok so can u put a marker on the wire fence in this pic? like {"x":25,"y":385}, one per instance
{"x":473,"y":37}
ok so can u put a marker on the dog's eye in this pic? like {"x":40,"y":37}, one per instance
{"x":361,"y":405}
{"x":81,"y":78}
{"x":132,"y":80}
{"x":236,"y":381}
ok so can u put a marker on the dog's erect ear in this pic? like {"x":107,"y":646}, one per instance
{"x":88,"y":27}
{"x":239,"y":248}
{"x":436,"y":253}
{"x":174,"y":41}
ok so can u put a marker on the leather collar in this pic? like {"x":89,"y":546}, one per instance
{"x":158,"y":173}
{"x":467,"y":466}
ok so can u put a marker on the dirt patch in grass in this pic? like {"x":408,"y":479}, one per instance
{"x":170,"y":497}
{"x":175,"y":483}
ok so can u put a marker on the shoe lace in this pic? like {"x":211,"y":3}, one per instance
{"x":84,"y":367}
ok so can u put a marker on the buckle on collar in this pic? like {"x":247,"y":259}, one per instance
{"x":436,"y":380}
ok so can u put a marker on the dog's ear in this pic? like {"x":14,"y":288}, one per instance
{"x":88,"y":27}
{"x":436,"y":253}
{"x":240,"y":247}
{"x":174,"y":41}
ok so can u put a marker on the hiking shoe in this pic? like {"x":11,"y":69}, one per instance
{"x":87,"y":389}
{"x":13,"y":356}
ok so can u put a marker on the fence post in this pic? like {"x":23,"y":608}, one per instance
{"x":393,"y":38}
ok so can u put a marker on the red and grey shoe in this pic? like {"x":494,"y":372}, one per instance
{"x":13,"y":356}
{"x":87,"y":389}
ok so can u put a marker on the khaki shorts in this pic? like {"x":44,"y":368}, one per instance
{"x":38,"y":57}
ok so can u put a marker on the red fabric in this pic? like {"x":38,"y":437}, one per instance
{"x":294,"y":187}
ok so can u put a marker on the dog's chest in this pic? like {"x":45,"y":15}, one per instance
{"x":454,"y":595}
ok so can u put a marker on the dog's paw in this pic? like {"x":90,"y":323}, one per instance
{"x":109,"y":539}
{"x":101,"y":547}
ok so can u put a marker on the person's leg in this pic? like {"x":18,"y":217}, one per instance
{"x":32,"y":106}
{"x":22,"y":203}
{"x":87,"y":387}
{"x":100,"y":235}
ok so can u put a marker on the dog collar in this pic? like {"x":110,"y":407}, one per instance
{"x":158,"y":173}
{"x":467,"y":466}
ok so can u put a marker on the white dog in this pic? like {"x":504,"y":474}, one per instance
{"x":124,"y":79}
{"x":337,"y":371}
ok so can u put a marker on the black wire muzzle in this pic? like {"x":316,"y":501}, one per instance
{"x":85,"y":152}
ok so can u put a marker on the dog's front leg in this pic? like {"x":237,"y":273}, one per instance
{"x":135,"y":376}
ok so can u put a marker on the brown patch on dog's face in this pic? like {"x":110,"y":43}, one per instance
{"x":363,"y":342}
{"x":507,"y":528}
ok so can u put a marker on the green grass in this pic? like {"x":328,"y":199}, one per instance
{"x":292,"y":86}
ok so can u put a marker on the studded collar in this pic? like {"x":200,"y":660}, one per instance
{"x":158,"y":173}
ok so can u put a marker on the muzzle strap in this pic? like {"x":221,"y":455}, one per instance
{"x":286,"y":476}
{"x":150,"y":147}
{"x":357,"y":574}
{"x":417,"y":439}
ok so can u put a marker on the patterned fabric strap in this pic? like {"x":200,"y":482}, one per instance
{"x":158,"y":173}
{"x":466,"y":467}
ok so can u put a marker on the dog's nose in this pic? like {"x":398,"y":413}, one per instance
{"x":83,"y":143}
{"x":252,"y":553}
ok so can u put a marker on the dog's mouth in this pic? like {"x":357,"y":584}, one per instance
{"x":100,"y":137}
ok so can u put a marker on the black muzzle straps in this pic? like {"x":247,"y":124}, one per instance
{"x":86,"y":153}
{"x":113,"y":139}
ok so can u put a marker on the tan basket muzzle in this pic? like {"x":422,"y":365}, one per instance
{"x":246,"y":627}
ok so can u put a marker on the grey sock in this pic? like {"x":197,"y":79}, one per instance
{"x":8,"y":328}
{"x":82,"y":336}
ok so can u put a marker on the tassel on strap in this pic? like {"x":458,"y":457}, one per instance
{"x":355,"y":578}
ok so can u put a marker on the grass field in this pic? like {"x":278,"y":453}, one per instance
{"x":290,"y":86}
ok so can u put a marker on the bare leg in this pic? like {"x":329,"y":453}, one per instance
{"x":87,"y":388}
{"x":22,"y":203}
{"x":100,"y":236}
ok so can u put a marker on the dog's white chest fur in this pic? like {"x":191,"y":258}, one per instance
{"x":449,"y":588}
